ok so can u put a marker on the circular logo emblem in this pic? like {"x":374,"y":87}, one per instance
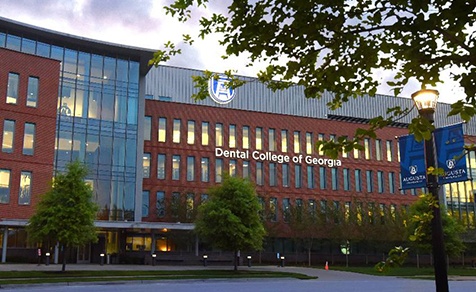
{"x":219,"y":91}
{"x":450,"y":163}
{"x":413,"y":169}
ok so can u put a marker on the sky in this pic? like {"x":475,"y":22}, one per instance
{"x":143,"y":23}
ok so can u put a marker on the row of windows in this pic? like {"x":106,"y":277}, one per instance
{"x":8,"y":137}
{"x":385,"y":182}
{"x":24,"y":195}
{"x":269,"y":207}
{"x":260,"y":134}
{"x":13,"y":89}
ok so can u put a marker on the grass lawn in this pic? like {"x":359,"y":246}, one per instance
{"x":33,"y":277}
{"x":408,"y":271}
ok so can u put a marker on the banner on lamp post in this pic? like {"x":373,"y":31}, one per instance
{"x":412,"y":162}
{"x":449,"y":142}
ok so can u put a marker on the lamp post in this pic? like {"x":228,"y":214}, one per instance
{"x":425,"y":101}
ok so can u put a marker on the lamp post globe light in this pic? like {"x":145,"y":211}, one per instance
{"x":426,"y":101}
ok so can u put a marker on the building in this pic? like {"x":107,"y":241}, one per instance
{"x":153,"y":152}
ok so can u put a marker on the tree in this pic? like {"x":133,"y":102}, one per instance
{"x":229,"y":219}
{"x":342,"y":47}
{"x":419,"y":227}
{"x":65,"y":214}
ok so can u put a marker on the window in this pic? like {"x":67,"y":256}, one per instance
{"x":378,"y":149}
{"x":347,"y":211}
{"x":176,"y":132}
{"x":285,"y":167}
{"x":246,"y":137}
{"x":310,"y":177}
{"x":259,"y":173}
{"x":219,"y":135}
{"x":345,"y":154}
{"x":312,"y":207}
{"x":297,"y":142}
{"x":346,"y":177}
{"x":147,"y":128}
{"x":297,"y":175}
{"x":162,"y":129}
{"x":145,"y":203}
{"x":29,"y":139}
{"x":8,"y":136}
{"x":389,"y":150}
{"x":218,"y":170}
{"x":336,"y":206}
{"x":161,"y":166}
{"x":246,"y":169}
{"x":320,"y":137}
{"x":334,"y":179}
{"x":259,"y":138}
{"x":284,"y":140}
{"x":323,"y":208}
{"x":286,"y":209}
{"x":232,"y":137}
{"x":322,"y":178}
{"x":190,"y":168}
{"x":308,"y":143}
{"x":370,"y":212}
{"x":391,"y":182}
{"x":358,"y":180}
{"x":205,"y":130}
{"x":32,"y":94}
{"x":146,"y":165}
{"x":398,"y":152}
{"x":176,"y":167}
{"x":382,"y":209}
{"x":25,"y":188}
{"x":272,"y":140}
{"x":272,"y":175}
{"x":191,"y":132}
{"x":232,"y":167}
{"x":356,"y":153}
{"x":369,"y":181}
{"x":160,"y":204}
{"x":273,"y":209}
{"x":12,"y":91}
{"x":205,"y":169}
{"x":380,"y":181}
{"x":367,"y":148}
{"x":175,"y":205}
{"x":203,"y":198}
{"x":190,"y":205}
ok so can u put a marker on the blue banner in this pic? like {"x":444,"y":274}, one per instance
{"x":412,"y":162}
{"x":449,"y":142}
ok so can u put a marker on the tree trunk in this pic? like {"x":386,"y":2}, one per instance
{"x":63,"y":252}
{"x":235,"y":254}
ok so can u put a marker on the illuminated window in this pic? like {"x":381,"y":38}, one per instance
{"x":389,"y":150}
{"x":284,"y":140}
{"x":176,"y":167}
{"x":219,"y":135}
{"x":147,"y":128}
{"x":246,"y":137}
{"x":190,"y":206}
{"x":344,"y":153}
{"x":12,"y":91}
{"x":308,"y":143}
{"x":232,"y":137}
{"x":190,"y":132}
{"x":259,"y":173}
{"x":162,"y":132}
{"x":205,"y":169}
{"x":190,"y":168}
{"x":378,"y":149}
{"x":367,"y":148}
{"x":29,"y":139}
{"x":346,"y":211}
{"x":8,"y":135}
{"x":146,"y":165}
{"x":205,"y":130}
{"x":246,"y":169}
{"x":272,"y":140}
{"x":25,"y":188}
{"x":32,"y":94}
{"x":259,"y":138}
{"x":232,"y":167}
{"x":161,"y":166}
{"x":320,"y":137}
{"x":176,"y":132}
{"x":297,"y":142}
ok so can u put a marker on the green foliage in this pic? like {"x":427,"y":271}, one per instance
{"x":341,"y":46}
{"x":229,"y":219}
{"x":396,"y":258}
{"x":66,"y":213}
{"x":419,"y":227}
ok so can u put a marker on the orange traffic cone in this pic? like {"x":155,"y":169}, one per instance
{"x":327,"y":266}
